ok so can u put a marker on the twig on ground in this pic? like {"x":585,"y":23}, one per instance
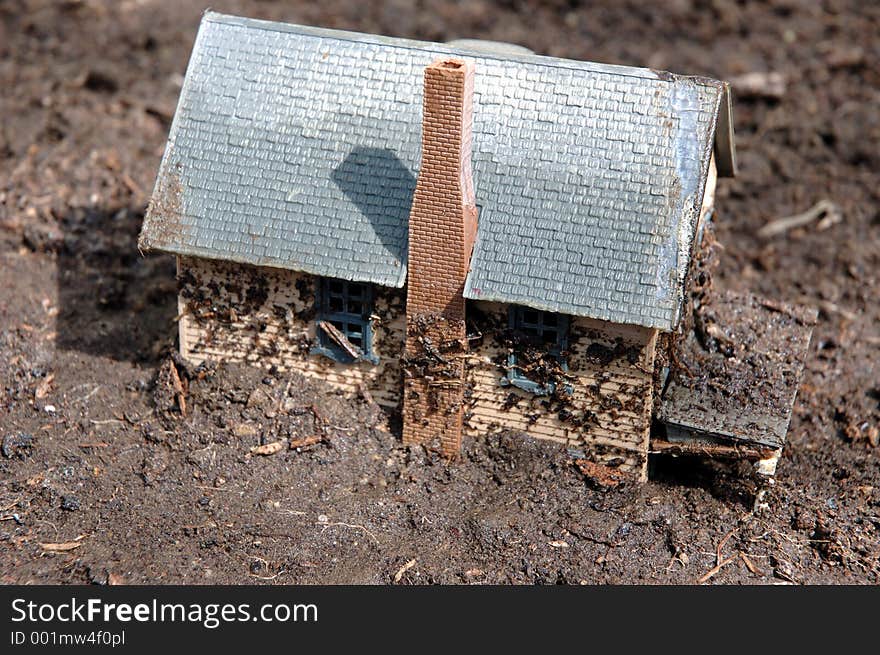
{"x":403,"y":569}
{"x":11,"y":505}
{"x":267,"y":449}
{"x":177,"y":387}
{"x":721,"y":543}
{"x":64,"y":546}
{"x":303,"y":442}
{"x":750,"y":565}
{"x":719,"y":562}
{"x":715,"y":569}
{"x":326,"y":525}
{"x":825,"y":209}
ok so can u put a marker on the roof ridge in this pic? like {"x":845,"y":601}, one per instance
{"x":415,"y":44}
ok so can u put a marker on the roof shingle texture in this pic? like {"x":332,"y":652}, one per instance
{"x":298,"y":148}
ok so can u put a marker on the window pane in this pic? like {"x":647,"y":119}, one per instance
{"x":530,"y":316}
{"x":354,"y":333}
{"x":335,"y":305}
{"x":344,"y":305}
{"x":543,"y":332}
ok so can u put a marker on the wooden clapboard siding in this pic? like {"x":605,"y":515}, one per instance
{"x":618,"y":392}
{"x":271,"y":323}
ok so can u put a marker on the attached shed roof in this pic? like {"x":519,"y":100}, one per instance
{"x":298,"y":148}
{"x":746,"y":396}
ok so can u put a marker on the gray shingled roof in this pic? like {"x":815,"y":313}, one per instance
{"x":298,"y":148}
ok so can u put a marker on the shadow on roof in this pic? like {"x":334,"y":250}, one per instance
{"x":381,"y":187}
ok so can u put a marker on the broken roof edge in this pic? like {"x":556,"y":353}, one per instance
{"x":777,"y":438}
{"x":684,"y":272}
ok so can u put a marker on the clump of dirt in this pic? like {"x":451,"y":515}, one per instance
{"x":17,"y":444}
{"x":437,"y":349}
{"x":533,"y":360}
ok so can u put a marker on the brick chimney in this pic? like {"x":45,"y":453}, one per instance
{"x":442,"y":227}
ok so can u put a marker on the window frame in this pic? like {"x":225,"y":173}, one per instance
{"x":324,"y":345}
{"x":514,"y":377}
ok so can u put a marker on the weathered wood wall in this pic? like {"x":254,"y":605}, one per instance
{"x":607,"y":414}
{"x":265,"y":316}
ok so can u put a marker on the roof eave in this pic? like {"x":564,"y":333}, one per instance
{"x":146,"y":246}
{"x":663,"y":325}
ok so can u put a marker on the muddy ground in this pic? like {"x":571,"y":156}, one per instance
{"x":91,"y":460}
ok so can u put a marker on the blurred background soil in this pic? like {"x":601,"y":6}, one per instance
{"x":100,"y":483}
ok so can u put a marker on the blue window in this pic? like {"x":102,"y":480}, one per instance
{"x":342,"y":318}
{"x":539,"y":337}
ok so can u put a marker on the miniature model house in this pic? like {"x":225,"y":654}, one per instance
{"x":484,"y":239}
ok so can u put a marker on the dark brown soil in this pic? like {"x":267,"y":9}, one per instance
{"x":93,"y":452}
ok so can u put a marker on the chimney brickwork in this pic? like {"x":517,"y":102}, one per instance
{"x":442,"y":228}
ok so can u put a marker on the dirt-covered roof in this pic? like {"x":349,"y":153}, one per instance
{"x":738,"y":372}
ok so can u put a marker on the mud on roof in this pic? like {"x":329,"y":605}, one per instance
{"x":297,"y":148}
{"x":739,"y":380}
